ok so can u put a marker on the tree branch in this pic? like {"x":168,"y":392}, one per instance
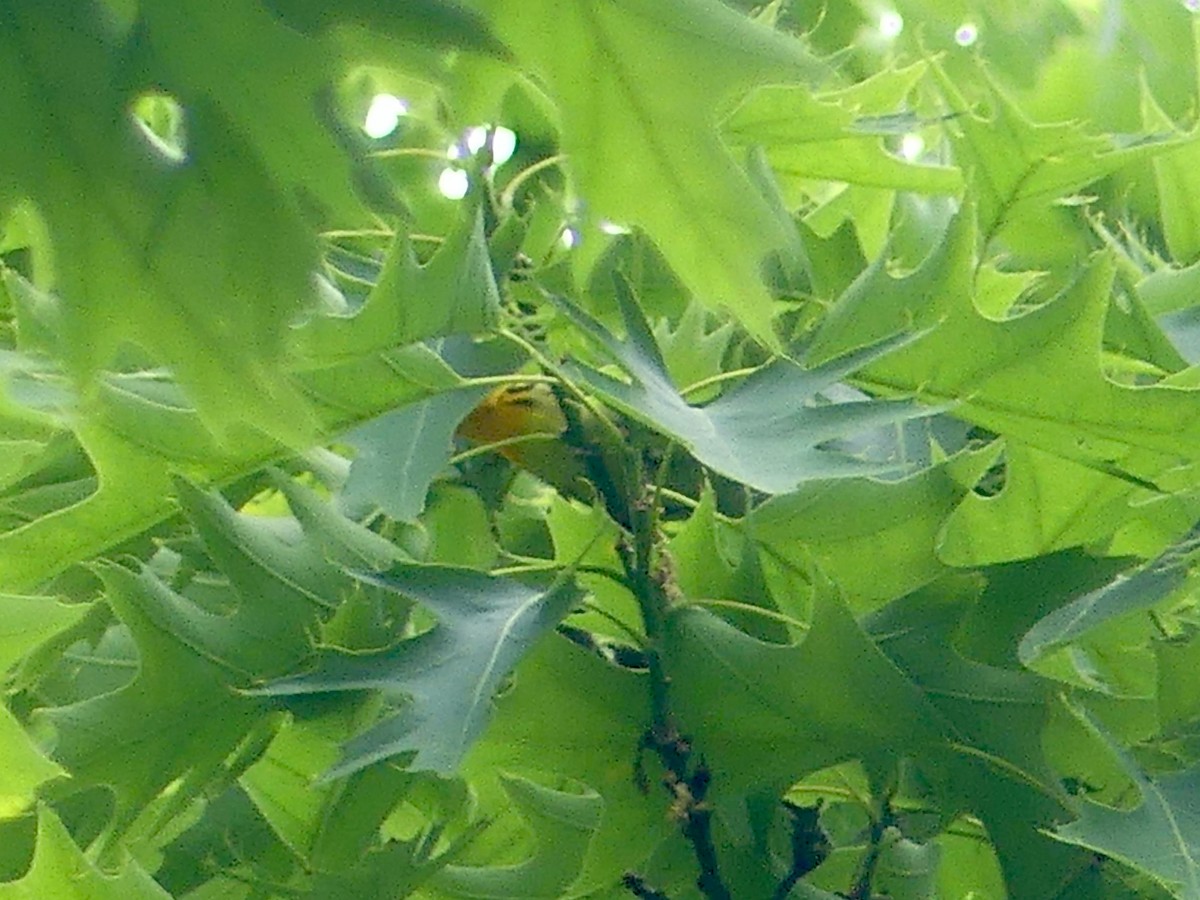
{"x":861,"y":890}
{"x":637,"y":886}
{"x":810,"y":846}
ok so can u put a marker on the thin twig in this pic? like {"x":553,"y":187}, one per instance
{"x":649,"y":571}
{"x":861,"y":890}
{"x":810,"y":846}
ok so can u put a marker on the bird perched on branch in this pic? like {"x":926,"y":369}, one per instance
{"x":557,"y":439}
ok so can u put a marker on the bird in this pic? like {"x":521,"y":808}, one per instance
{"x":527,"y":422}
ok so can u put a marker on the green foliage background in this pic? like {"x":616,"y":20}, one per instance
{"x":892,"y":311}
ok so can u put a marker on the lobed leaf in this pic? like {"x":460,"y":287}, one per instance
{"x":444,"y":679}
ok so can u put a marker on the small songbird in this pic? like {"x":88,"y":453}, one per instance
{"x":529,"y":411}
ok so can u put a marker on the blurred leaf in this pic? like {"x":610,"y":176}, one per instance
{"x":439,"y":23}
{"x":207,"y":55}
{"x":1037,"y":377}
{"x":1175,"y":177}
{"x":1178,"y":693}
{"x":216,"y":236}
{"x":27,"y":622}
{"x":811,"y":136}
{"x":1124,"y":594}
{"x":60,"y":870}
{"x":907,"y":870}
{"x":1024,"y":167}
{"x":650,"y":92}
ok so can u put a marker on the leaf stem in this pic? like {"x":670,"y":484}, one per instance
{"x":510,"y":189}
{"x":718,"y":379}
{"x":424,"y":152}
{"x":751,"y":609}
{"x":861,"y":889}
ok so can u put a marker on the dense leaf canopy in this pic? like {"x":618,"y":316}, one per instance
{"x":834,"y":533}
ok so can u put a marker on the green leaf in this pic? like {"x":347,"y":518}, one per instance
{"x":1175,"y":177}
{"x":190,"y":658}
{"x":998,"y":713}
{"x":438,"y":23}
{"x":453,"y":293}
{"x":281,"y":575}
{"x":25,"y":768}
{"x":1020,"y":593}
{"x":1048,"y":503}
{"x":177,"y":716}
{"x":810,"y":136}
{"x":130,"y":228}
{"x":330,"y":826}
{"x":651,"y":92}
{"x":840,"y":699}
{"x":1159,"y":836}
{"x":1124,"y":594}
{"x":1037,"y":377}
{"x":711,"y":564}
{"x":893,"y":524}
{"x":573,"y":715}
{"x":445,"y":678}
{"x":28,"y":622}
{"x":770,"y":432}
{"x":907,"y":870}
{"x":563,"y":824}
{"x":1178,"y":694}
{"x":586,"y":536}
{"x":141,"y":428}
{"x":692,"y":350}
{"x":402,"y":452}
{"x":208,"y":56}
{"x":1024,"y":167}
{"x":60,"y":870}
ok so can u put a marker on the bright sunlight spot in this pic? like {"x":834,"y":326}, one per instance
{"x":160,"y":119}
{"x":453,"y":183}
{"x":612,"y":228}
{"x":570,"y":237}
{"x":966,"y":34}
{"x":504,"y":144}
{"x":1191,"y":5}
{"x":891,"y":23}
{"x":384,"y":115}
{"x":912,"y":146}
{"x":476,"y":138}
